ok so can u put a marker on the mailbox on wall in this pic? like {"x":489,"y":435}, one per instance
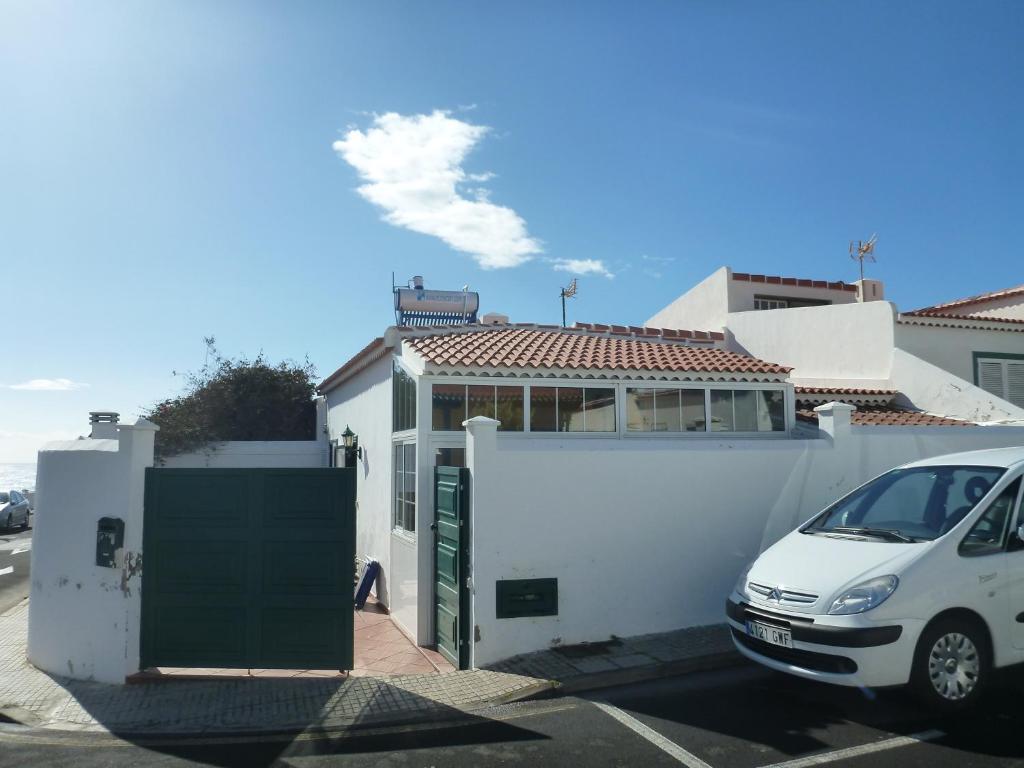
{"x":517,"y":598}
{"x":109,"y":539}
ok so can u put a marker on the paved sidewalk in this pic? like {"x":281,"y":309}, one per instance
{"x":233,"y":705}
{"x":239,"y":705}
{"x":619,"y":661}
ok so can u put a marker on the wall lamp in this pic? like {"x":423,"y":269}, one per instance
{"x":350,"y":441}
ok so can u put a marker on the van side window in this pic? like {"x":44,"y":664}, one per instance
{"x":988,"y":535}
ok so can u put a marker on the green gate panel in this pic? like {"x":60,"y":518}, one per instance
{"x":248,"y":568}
{"x":451,"y":564}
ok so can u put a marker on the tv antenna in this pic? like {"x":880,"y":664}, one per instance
{"x":567,"y":293}
{"x":863,"y":251}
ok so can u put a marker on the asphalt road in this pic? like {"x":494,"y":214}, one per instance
{"x":739,"y":718}
{"x":15,"y":553}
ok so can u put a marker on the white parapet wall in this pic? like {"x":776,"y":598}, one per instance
{"x":254,"y":454}
{"x":650,"y":535}
{"x":84,"y":618}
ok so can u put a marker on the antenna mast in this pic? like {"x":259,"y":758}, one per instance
{"x":863,"y":251}
{"x":567,"y":293}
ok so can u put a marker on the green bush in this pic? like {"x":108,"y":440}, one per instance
{"x":237,"y":400}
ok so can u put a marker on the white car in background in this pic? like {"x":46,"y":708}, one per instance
{"x":916,"y":577}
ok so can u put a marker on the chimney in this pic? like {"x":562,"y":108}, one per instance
{"x":104,"y":424}
{"x":494,"y":318}
{"x":870,"y":290}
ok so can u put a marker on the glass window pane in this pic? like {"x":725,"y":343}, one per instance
{"x":542,"y":409}
{"x":666,"y":405}
{"x":721,"y":410}
{"x":450,"y":457}
{"x":480,"y":401}
{"x":570,"y":409}
{"x":403,"y":400}
{"x":448,"y":409}
{"x":640,"y":410}
{"x":510,"y":409}
{"x":693,"y":410}
{"x":771,"y":410}
{"x":599,"y":409}
{"x":745,"y":407}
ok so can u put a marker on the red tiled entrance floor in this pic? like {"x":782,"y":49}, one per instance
{"x":380,"y":649}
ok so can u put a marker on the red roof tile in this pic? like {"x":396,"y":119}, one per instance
{"x":841,"y":391}
{"x":799,"y":282}
{"x":645,"y":332}
{"x":371,"y":352}
{"x":889,"y":416}
{"x":951,"y":316}
{"x":944,"y":309}
{"x":505,"y":347}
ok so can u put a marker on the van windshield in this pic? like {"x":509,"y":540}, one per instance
{"x":907,"y":505}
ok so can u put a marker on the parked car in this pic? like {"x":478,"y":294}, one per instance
{"x":13,"y":510}
{"x":916,"y":577}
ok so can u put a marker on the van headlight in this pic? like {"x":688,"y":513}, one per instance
{"x":864,"y":596}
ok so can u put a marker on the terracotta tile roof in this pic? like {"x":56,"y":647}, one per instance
{"x":948,"y":308}
{"x":572,"y":348}
{"x":794,"y":281}
{"x":841,"y":391}
{"x":368,"y":354}
{"x":648,"y":333}
{"x":889,"y":416}
{"x":955,"y":320}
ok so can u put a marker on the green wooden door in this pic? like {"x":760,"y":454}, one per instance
{"x":451,"y":564}
{"x":248,"y":568}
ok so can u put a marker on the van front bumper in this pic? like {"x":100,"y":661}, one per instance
{"x":844,"y":650}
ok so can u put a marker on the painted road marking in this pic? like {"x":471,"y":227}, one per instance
{"x":686,"y":758}
{"x":19,"y":550}
{"x":5,"y":571}
{"x":864,"y":749}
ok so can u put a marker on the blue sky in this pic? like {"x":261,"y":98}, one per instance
{"x":248,"y":170}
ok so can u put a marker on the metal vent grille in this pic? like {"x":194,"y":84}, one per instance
{"x":780,"y":595}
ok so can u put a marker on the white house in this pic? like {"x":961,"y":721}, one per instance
{"x":621,"y":475}
{"x":963,"y":359}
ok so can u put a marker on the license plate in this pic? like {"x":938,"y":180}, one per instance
{"x":768,"y":634}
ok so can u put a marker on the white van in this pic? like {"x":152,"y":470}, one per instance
{"x":915,"y":577}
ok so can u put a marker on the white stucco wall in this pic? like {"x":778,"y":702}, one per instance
{"x":852,"y":342}
{"x":650,"y":536}
{"x":930,"y":388}
{"x":84,"y":619}
{"x":952,"y":348}
{"x":363,"y":403}
{"x":254,"y":454}
{"x":702,"y":308}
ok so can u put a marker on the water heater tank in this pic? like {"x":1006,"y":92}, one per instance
{"x":421,"y":307}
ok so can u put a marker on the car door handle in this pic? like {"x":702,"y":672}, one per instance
{"x":986,"y":577}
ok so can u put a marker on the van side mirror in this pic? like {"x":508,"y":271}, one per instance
{"x":1017,"y":539}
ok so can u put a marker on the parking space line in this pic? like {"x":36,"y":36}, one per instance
{"x":5,"y":571}
{"x":864,"y":749}
{"x":686,"y":758}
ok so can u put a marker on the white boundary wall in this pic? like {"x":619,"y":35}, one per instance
{"x":649,"y":536}
{"x":254,"y":454}
{"x":84,"y":619}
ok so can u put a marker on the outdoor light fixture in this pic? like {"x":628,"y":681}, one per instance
{"x":351,"y":443}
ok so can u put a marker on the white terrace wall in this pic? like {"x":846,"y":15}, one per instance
{"x":650,"y":535}
{"x":952,"y":348}
{"x":254,"y":454}
{"x":703,"y":308}
{"x":853,"y":342}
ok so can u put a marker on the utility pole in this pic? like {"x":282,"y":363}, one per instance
{"x":567,"y":293}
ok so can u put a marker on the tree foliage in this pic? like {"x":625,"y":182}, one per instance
{"x":237,"y":400}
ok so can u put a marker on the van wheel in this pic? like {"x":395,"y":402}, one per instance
{"x":951,"y":665}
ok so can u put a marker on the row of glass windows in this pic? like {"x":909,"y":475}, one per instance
{"x":593,"y":409}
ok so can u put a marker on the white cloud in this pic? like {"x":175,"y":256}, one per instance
{"x":412,"y":169}
{"x":48,"y":385}
{"x":582,"y":267}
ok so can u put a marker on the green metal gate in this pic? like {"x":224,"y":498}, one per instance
{"x":248,"y":568}
{"x":451,"y":563}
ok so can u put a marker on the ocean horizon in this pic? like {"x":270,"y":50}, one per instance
{"x":17,"y":476}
